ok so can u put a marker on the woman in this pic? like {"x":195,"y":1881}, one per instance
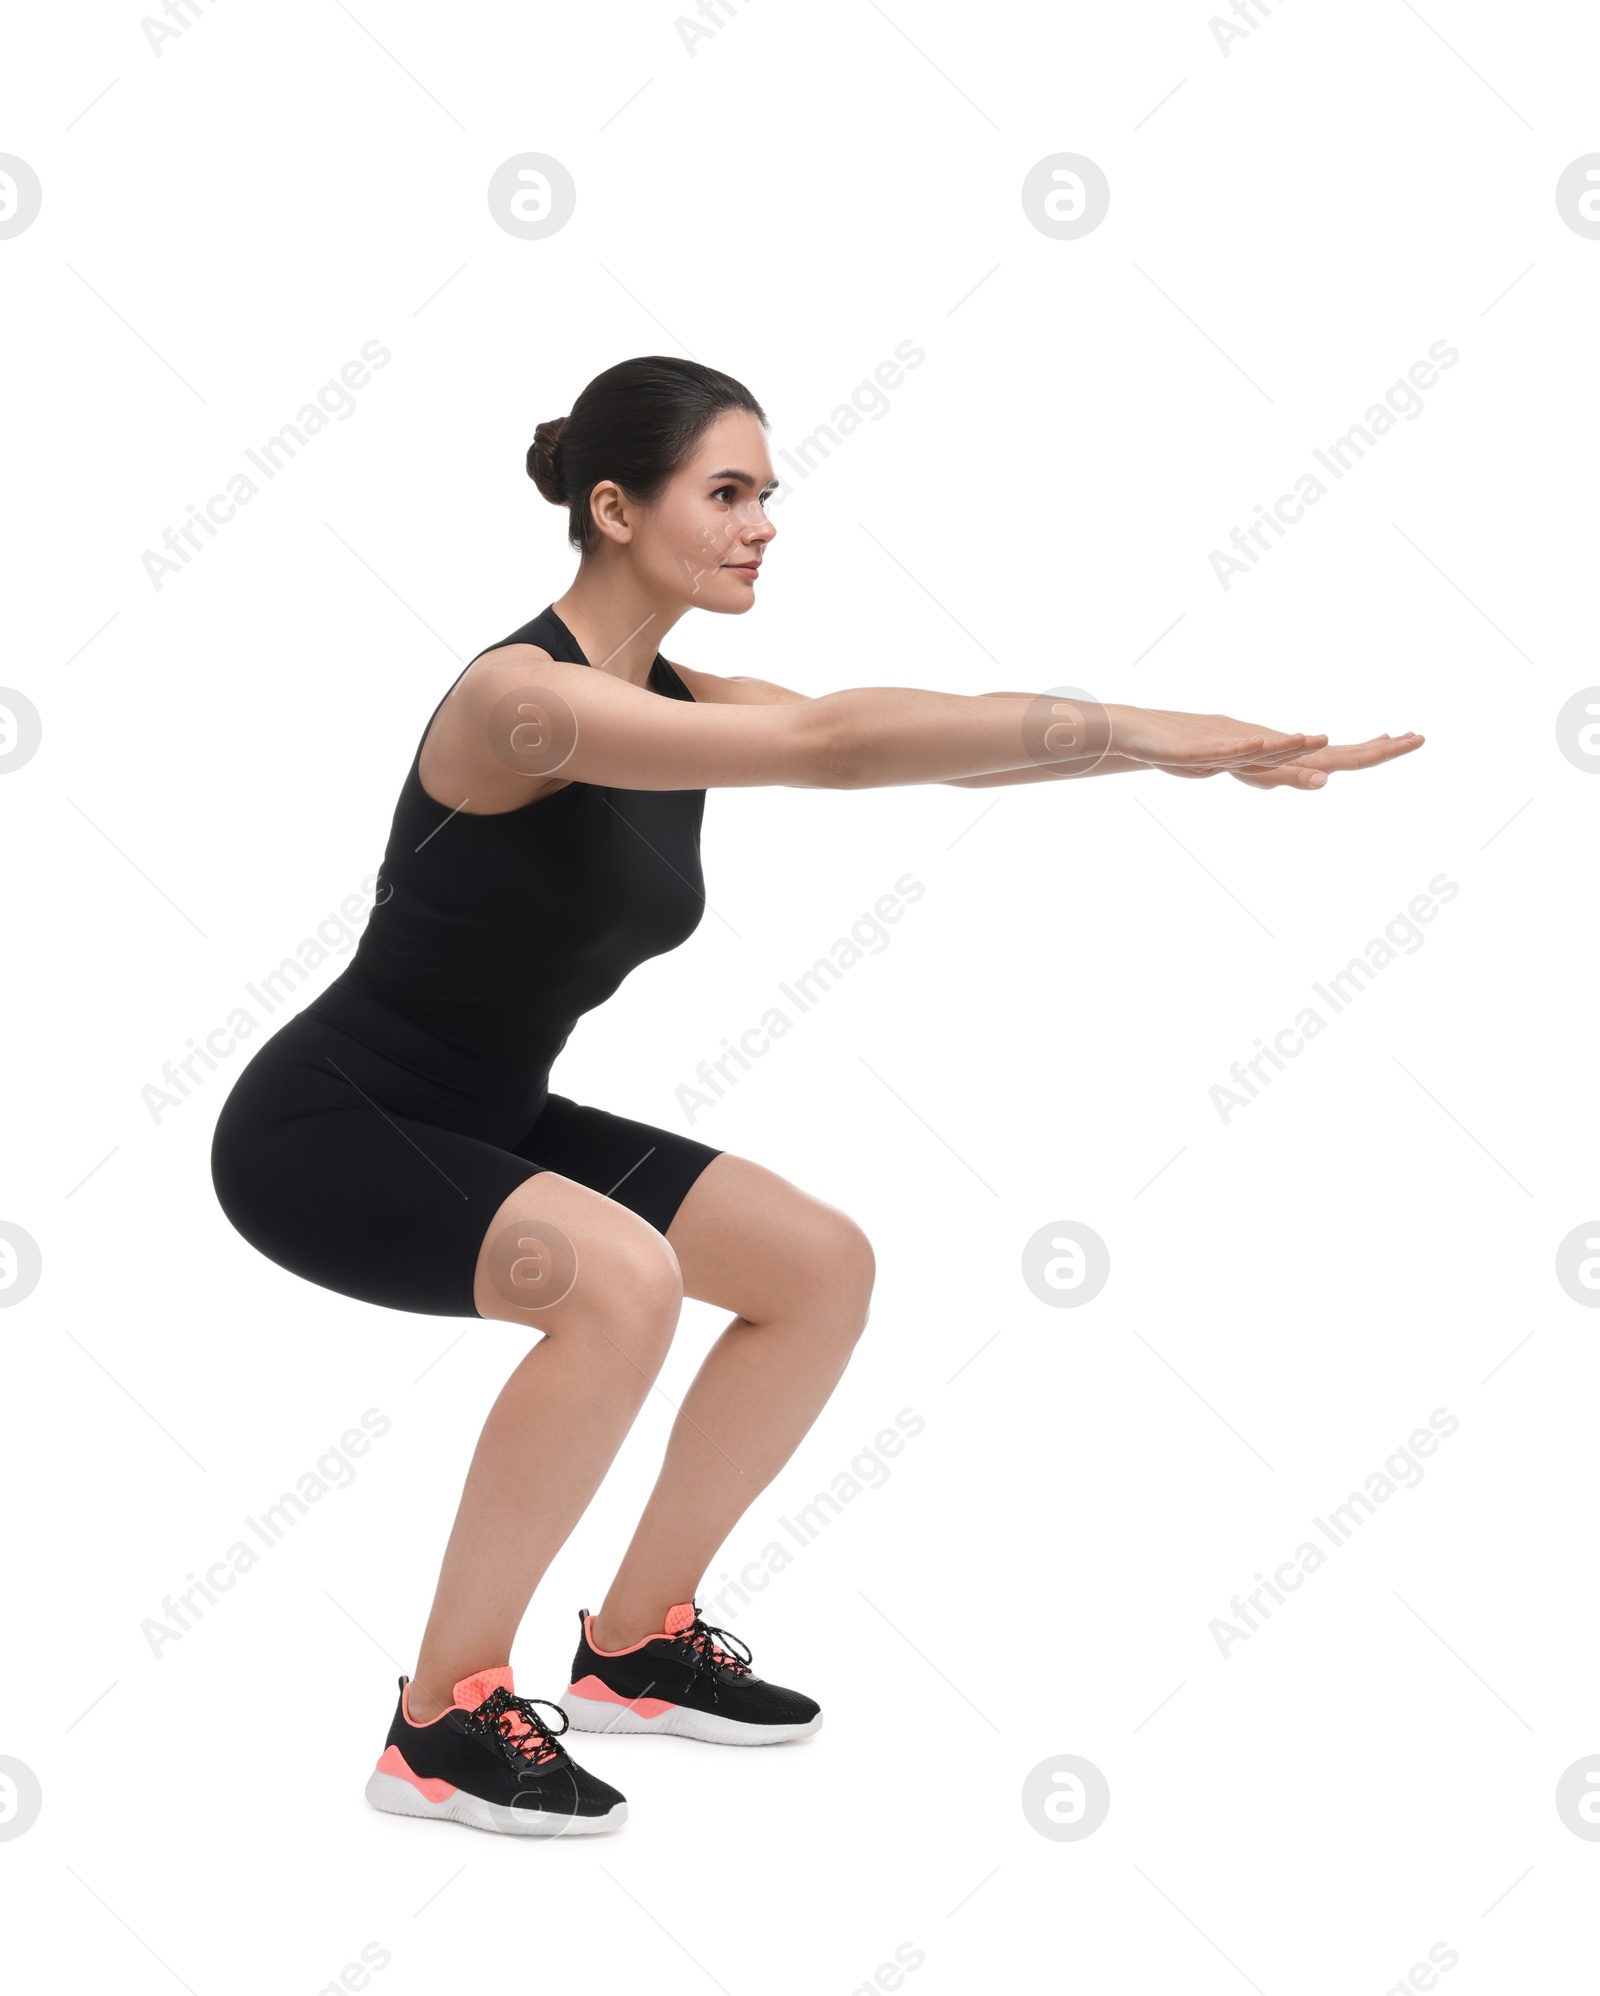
{"x":397,"y":1141}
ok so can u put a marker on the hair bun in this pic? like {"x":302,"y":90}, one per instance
{"x":542,"y":466}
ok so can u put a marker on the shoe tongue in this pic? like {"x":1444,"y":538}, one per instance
{"x":680,"y":1618}
{"x":471,"y":1691}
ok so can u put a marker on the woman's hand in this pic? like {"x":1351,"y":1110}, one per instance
{"x":1310,"y":772}
{"x":1214,"y":744}
{"x":1202,"y":744}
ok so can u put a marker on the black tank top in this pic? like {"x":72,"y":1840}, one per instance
{"x":496,"y":933}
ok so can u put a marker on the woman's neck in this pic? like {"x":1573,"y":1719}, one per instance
{"x":618,"y":627}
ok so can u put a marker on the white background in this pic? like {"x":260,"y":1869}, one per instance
{"x":1292,"y":1291}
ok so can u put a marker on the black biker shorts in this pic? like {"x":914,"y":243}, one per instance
{"x":374,"y":1165}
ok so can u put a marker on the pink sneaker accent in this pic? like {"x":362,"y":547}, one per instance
{"x":394,"y":1762}
{"x":469,"y":1694}
{"x":680,"y":1618}
{"x":593,"y":1687}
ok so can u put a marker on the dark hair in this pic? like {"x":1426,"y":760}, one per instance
{"x":635,"y":424}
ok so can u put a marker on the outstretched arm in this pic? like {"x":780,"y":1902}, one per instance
{"x":1306,"y":772}
{"x":519,"y":715}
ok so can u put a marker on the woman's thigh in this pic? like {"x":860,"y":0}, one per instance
{"x":318,"y":1161}
{"x":648,"y":1170}
{"x":744,"y":1238}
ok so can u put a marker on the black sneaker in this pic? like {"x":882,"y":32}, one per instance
{"x":683,"y":1681}
{"x":489,"y":1761}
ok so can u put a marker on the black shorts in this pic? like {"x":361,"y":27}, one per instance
{"x":373,"y":1165}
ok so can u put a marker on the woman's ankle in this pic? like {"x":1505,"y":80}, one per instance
{"x":422,"y":1705}
{"x":614,"y":1632}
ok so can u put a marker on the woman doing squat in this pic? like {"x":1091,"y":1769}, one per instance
{"x":398,"y":1141}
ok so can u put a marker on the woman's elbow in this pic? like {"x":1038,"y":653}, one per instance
{"x":827,"y":750}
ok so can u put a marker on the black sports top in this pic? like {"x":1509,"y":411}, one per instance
{"x":497,"y":932}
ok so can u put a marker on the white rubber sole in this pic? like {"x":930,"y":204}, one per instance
{"x":599,"y":1715}
{"x":399,"y":1798}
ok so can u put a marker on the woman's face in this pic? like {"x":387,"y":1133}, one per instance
{"x":703,"y":540}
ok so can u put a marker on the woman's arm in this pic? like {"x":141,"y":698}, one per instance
{"x":708,"y":686}
{"x":519,"y":714}
{"x":1108,"y":765}
{"x":761,"y":692}
{"x":1033,"y":772}
{"x":1306,"y":772}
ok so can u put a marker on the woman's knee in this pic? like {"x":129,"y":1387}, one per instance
{"x":635,"y":1276}
{"x":860,"y":1266}
{"x":563,"y":1260}
{"x":842,"y":1267}
{"x":756,"y":1244}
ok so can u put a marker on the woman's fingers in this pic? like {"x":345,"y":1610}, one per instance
{"x":1204,"y":745}
{"x":1265,"y":760}
{"x":1265,"y":752}
{"x":1270,"y":757}
{"x":1366,"y":755}
{"x":1363,"y":755}
{"x":1311,"y":772}
{"x":1293,"y":776}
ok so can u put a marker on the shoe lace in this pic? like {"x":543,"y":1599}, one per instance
{"x":517,"y":1728}
{"x":701,"y":1640}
